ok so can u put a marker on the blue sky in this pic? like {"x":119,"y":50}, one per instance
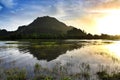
{"x":78,"y":13}
{"x":14,"y":13}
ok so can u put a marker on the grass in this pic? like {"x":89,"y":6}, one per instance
{"x":57,"y":73}
{"x":15,"y":74}
{"x":48,"y":43}
{"x":103,"y":75}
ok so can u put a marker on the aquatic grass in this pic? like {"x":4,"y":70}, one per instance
{"x":37,"y":68}
{"x":103,"y":75}
{"x":44,"y":46}
{"x":49,"y":78}
{"x":59,"y":72}
{"x":85,"y":71}
{"x":48,"y":43}
{"x":66,"y":78}
{"x":62,"y":71}
{"x":16,"y":74}
{"x":43,"y":77}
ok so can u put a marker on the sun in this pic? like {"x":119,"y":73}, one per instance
{"x":109,"y":24}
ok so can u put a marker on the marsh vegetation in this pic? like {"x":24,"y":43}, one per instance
{"x":59,"y":60}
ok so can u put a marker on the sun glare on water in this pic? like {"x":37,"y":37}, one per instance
{"x":114,"y":49}
{"x":109,"y":24}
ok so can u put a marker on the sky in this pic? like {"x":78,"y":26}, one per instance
{"x":92,"y":16}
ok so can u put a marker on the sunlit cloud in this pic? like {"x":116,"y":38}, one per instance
{"x":95,"y":13}
{"x":82,"y":14}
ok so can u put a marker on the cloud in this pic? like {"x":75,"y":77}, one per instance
{"x":110,"y":4}
{"x":79,"y":8}
{"x":28,"y":12}
{"x":106,"y":5}
{"x":86,"y":13}
{"x":8,"y":3}
{"x":79,"y":13}
{"x":1,"y":7}
{"x":64,"y":10}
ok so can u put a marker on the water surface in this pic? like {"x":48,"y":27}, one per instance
{"x":68,"y":53}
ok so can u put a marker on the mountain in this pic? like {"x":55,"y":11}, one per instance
{"x":45,"y":27}
{"x":74,"y":32}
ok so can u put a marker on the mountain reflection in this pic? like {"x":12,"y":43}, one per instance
{"x":48,"y":50}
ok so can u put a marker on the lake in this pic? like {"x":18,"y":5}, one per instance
{"x":72,"y":54}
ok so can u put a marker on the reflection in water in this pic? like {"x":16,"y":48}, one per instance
{"x":69,"y":52}
{"x":90,"y":55}
{"x":48,"y":51}
{"x":114,"y":49}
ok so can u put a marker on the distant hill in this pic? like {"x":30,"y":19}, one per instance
{"x":45,"y":27}
{"x":3,"y":32}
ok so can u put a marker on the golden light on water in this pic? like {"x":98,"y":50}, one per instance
{"x":110,"y":23}
{"x":114,"y":49}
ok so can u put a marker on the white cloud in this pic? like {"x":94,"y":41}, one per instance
{"x":70,"y":12}
{"x":8,"y":3}
{"x":27,"y":13}
{"x":1,"y":7}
